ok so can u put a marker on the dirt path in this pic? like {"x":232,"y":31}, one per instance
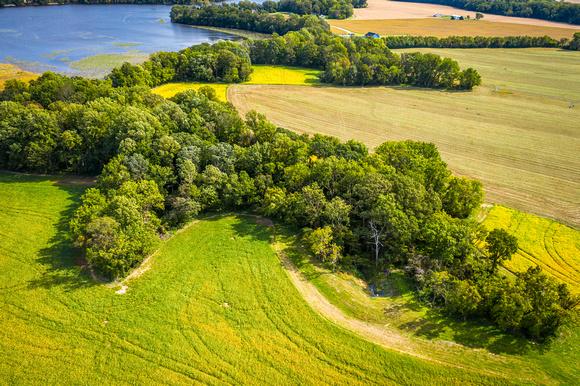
{"x":343,"y":30}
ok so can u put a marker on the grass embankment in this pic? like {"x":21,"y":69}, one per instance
{"x":99,"y":65}
{"x":261,"y":75}
{"x":428,"y":333}
{"x":518,"y":133}
{"x":10,"y":71}
{"x":547,"y":243}
{"x":215,"y":307}
{"x":443,"y":27}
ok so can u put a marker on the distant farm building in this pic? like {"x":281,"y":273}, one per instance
{"x":373,"y":35}
{"x":451,"y":17}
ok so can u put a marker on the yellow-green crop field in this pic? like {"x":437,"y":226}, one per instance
{"x":261,"y":75}
{"x":517,"y":133}
{"x":168,"y":90}
{"x":214,"y":307}
{"x":547,"y":243}
{"x":283,"y":75}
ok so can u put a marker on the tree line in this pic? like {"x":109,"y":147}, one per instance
{"x":474,"y":42}
{"x":554,"y":10}
{"x":240,"y":16}
{"x":162,"y":162}
{"x":255,"y":14}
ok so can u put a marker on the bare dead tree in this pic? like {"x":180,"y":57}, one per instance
{"x":376,"y":233}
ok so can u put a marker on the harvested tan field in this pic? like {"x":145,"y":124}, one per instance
{"x":442,"y":28}
{"x":518,"y":133}
{"x":385,"y":9}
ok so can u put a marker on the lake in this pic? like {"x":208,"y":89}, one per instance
{"x":91,"y":39}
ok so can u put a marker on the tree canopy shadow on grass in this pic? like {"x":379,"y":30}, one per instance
{"x":65,"y":265}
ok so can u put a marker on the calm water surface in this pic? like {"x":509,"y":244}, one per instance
{"x":54,"y":37}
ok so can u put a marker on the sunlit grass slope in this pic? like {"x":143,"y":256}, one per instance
{"x":10,"y":71}
{"x":260,"y":75}
{"x":215,"y":307}
{"x":547,"y":243}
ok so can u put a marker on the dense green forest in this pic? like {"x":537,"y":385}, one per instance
{"x":239,"y":17}
{"x":253,"y":16}
{"x":161,"y":162}
{"x":540,"y":9}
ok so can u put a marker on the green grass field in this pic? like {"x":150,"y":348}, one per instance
{"x":261,"y":75}
{"x":214,"y":307}
{"x":549,"y":244}
{"x":518,"y":133}
{"x":102,"y":64}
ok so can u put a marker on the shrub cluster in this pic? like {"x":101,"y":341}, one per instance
{"x":540,"y":9}
{"x":574,"y":44}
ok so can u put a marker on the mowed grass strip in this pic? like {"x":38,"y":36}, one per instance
{"x":261,"y":74}
{"x":443,"y":27}
{"x":549,"y":244}
{"x":215,"y":307}
{"x":518,"y":133}
{"x":10,"y":71}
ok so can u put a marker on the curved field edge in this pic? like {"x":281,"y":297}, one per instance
{"x":406,"y":325}
{"x":553,"y":246}
{"x":215,"y":307}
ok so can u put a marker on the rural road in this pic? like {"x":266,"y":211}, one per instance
{"x":343,"y":29}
